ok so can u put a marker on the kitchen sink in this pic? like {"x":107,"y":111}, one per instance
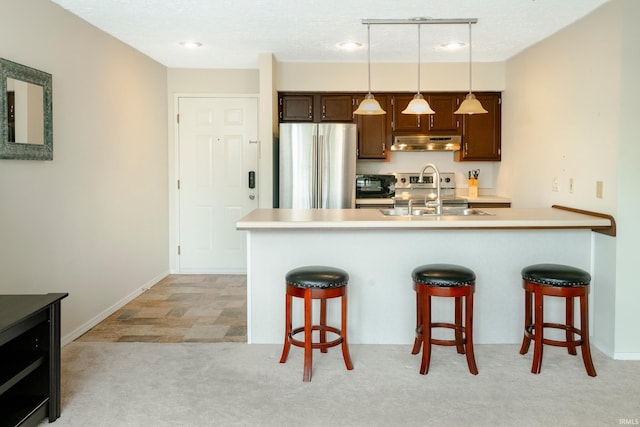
{"x":405,"y":212}
{"x":446,"y":211}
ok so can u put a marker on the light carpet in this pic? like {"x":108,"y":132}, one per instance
{"x":237,"y":384}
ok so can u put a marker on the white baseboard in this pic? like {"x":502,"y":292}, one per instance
{"x":626,"y":356}
{"x":109,"y":311}
{"x":211,"y":271}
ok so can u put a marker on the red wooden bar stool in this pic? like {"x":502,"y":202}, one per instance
{"x":316,"y":282}
{"x":444,"y":280}
{"x":556,"y":280}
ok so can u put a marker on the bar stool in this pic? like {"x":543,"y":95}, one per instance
{"x":444,"y":280}
{"x":556,"y":280}
{"x":316,"y":282}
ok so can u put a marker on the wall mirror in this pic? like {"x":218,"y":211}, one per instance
{"x":26,"y":122}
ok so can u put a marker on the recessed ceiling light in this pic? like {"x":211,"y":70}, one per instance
{"x":453,"y":45}
{"x":190,"y":44}
{"x":349,"y":45}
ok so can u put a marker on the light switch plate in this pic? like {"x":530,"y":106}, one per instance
{"x":599,"y":189}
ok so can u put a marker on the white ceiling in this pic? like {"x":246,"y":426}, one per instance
{"x":235,"y":32}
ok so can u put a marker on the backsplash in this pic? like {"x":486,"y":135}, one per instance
{"x":415,"y":161}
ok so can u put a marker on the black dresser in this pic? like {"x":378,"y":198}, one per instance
{"x":29,"y":359}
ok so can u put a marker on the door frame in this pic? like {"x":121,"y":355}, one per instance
{"x":174,"y":167}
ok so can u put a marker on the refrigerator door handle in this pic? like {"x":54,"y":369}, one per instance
{"x":319,"y":166}
{"x":314,"y":165}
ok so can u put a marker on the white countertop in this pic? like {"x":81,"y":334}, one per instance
{"x":279,"y":219}
{"x":386,"y":201}
{"x":487,"y":198}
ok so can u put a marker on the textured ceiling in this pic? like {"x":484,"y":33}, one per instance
{"x":235,"y":32}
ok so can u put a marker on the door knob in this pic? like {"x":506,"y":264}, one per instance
{"x":251,"y":197}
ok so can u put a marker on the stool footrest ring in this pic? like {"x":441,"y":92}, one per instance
{"x":529,"y":332}
{"x":321,"y":345}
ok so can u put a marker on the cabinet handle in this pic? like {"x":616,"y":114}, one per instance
{"x":324,"y":111}
{"x":384,"y":148}
{"x":310,"y":112}
{"x":418,"y":121}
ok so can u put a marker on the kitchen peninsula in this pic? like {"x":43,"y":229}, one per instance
{"x":379,"y":252}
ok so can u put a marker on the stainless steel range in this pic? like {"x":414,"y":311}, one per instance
{"x":408,"y":188}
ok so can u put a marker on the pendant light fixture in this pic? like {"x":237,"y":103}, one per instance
{"x":470,"y":105}
{"x":418,"y":104}
{"x":369,"y":106}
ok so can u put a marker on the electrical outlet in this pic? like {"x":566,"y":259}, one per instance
{"x":555,"y":184}
{"x":570,"y":185}
{"x":599,"y":189}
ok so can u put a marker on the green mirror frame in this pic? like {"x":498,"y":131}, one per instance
{"x":17,"y":150}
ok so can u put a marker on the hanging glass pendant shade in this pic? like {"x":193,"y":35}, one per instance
{"x":418,"y":104}
{"x":369,"y":106}
{"x":470,"y":105}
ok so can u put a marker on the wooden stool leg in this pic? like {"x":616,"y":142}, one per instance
{"x":468,"y":333}
{"x":417,"y":342}
{"x":528,"y":322}
{"x":538,"y":330}
{"x":323,"y":324}
{"x":584,"y":328}
{"x":306,"y":377}
{"x":287,"y":328}
{"x":458,"y":322}
{"x":345,"y":347}
{"x":569,"y":322}
{"x":426,"y":332}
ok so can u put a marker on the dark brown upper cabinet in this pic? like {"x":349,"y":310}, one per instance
{"x":295,"y":108}
{"x":481,"y":133}
{"x":374,"y":138}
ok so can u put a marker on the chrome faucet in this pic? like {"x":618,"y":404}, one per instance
{"x":437,"y":204}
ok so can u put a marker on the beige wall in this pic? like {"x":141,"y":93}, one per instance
{"x":564,"y":116}
{"x":93,"y":222}
{"x":292,"y":76}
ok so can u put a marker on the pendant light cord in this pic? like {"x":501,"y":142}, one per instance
{"x":470,"y":57}
{"x":418,"y":58}
{"x":369,"y":55}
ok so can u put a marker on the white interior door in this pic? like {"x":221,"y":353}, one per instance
{"x":217,"y":149}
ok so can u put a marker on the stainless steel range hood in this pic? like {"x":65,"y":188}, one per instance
{"x":426,"y":143}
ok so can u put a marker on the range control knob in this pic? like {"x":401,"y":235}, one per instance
{"x":447,"y":179}
{"x":403,"y":180}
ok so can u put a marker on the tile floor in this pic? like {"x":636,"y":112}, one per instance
{"x":181,"y":308}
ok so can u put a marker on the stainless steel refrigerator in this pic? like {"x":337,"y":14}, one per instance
{"x":317,"y":164}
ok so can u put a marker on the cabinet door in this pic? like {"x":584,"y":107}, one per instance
{"x":481,"y":132}
{"x":296,"y":108}
{"x":405,"y":122}
{"x":336,"y":108}
{"x":444,"y":122}
{"x":374,"y":137}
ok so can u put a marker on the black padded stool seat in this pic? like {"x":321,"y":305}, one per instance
{"x":317,"y":277}
{"x":557,"y":280}
{"x":444,"y":280}
{"x":556,"y":275}
{"x":315,"y":282}
{"x":443,"y":275}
